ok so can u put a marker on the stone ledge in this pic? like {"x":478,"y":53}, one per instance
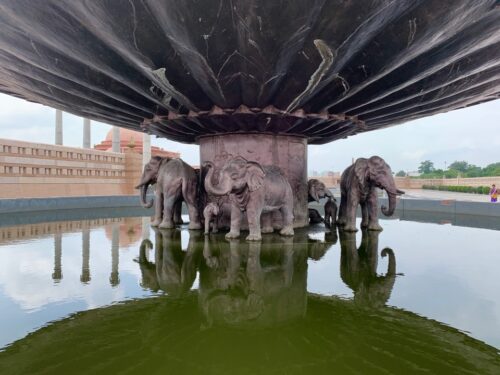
{"x":8,"y":206}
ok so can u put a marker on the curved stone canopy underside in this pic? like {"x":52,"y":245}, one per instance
{"x":325,"y":69}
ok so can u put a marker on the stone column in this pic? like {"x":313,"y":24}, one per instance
{"x":146,"y":149}
{"x":287,"y":152}
{"x":85,"y":276}
{"x":86,"y":133}
{"x":116,"y":139}
{"x":114,"y":278}
{"x":57,"y":274}
{"x":59,"y":127}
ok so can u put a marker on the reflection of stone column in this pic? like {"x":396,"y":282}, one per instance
{"x":114,"y":278}
{"x":57,"y":275}
{"x":59,"y":127}
{"x":86,"y":133}
{"x":85,"y":276}
{"x":116,"y":139}
{"x":146,"y":149}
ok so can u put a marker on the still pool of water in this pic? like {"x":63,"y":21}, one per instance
{"x":109,"y":296}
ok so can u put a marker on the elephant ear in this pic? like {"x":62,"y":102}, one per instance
{"x":361,"y":172}
{"x":255,"y":176}
{"x":376,"y":167}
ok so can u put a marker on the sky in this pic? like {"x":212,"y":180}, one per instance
{"x":471,"y":134}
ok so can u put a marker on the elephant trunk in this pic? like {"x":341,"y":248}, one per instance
{"x":223,"y":188}
{"x":392,"y":205}
{"x":144,"y":189}
{"x":329,"y":194}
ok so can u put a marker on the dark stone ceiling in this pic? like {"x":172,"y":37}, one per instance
{"x":326,"y":69}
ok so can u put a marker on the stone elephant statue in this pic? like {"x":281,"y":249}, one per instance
{"x":358,"y":269}
{"x":358,"y":186}
{"x":317,"y":190}
{"x":173,"y":270}
{"x":253,"y":189}
{"x":175,"y":182}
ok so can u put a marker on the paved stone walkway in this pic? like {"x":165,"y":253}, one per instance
{"x":441,"y":195}
{"x":434,"y":195}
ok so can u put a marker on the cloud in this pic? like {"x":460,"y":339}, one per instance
{"x":467,"y":134}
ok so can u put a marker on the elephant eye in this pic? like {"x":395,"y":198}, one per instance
{"x":234,"y":176}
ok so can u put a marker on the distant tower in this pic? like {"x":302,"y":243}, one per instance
{"x":59,"y":127}
{"x":86,"y":133}
{"x":116,"y":139}
{"x":85,"y":276}
{"x":114,"y":278}
{"x":146,"y":148}
{"x":57,"y":274}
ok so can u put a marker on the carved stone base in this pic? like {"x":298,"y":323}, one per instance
{"x":287,"y":152}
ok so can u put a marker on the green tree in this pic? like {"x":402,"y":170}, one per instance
{"x":426,"y":166}
{"x":401,"y":173}
{"x":460,"y":166}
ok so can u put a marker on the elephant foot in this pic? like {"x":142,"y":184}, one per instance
{"x":267,"y":230}
{"x":350,"y":228}
{"x":254,"y":237}
{"x":166,"y":225}
{"x":178,"y":221}
{"x":194,"y":226}
{"x":364,"y":224}
{"x":232,"y":235}
{"x":287,"y":231}
{"x":375,"y":227}
{"x":155,"y":223}
{"x":215,"y":231}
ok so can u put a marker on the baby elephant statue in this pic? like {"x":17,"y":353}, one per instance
{"x":358,"y":185}
{"x":253,"y":189}
{"x":330,"y":212}
{"x":211,"y":213}
{"x":175,"y":182}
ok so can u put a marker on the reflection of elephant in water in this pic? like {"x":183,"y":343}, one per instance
{"x":257,"y":283}
{"x":175,"y":181}
{"x":358,"y":269}
{"x":358,"y":186}
{"x":254,"y":189}
{"x":317,"y":190}
{"x":174,"y":270}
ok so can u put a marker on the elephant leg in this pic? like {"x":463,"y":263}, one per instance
{"x":350,"y":215}
{"x":327,"y":218}
{"x":168,"y":212}
{"x":373,"y":211}
{"x":207,"y":223}
{"x":158,"y":208}
{"x":253,"y":216}
{"x":234,"y":232}
{"x":178,"y":212}
{"x":287,"y":214}
{"x":364,"y":214}
{"x":267,"y":226}
{"x":343,"y":203}
{"x":215,"y":229}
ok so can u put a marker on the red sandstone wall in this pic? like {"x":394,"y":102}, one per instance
{"x":32,"y":170}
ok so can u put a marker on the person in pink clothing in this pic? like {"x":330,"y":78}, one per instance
{"x":493,"y":193}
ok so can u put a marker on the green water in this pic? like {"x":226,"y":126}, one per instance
{"x":112,"y":296}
